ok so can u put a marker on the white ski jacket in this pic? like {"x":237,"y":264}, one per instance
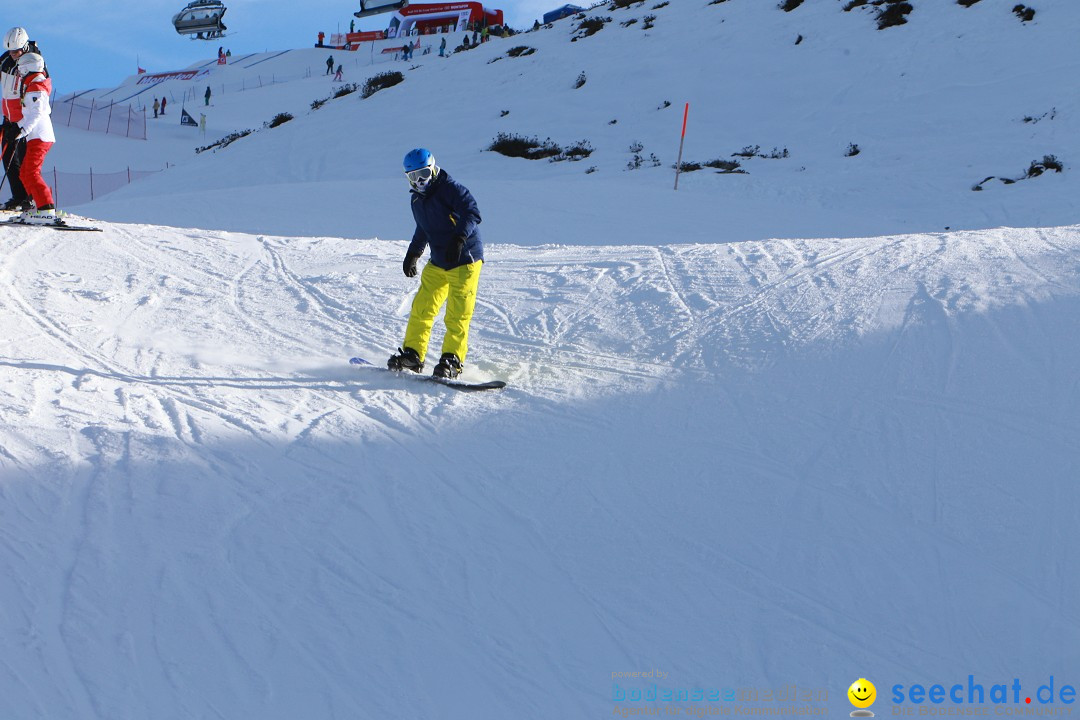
{"x":36,"y":121}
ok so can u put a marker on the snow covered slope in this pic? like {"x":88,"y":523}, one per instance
{"x":750,"y":464}
{"x":935,"y":107}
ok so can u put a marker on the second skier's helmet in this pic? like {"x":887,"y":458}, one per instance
{"x":30,"y":63}
{"x":420,"y":168}
{"x":17,"y":39}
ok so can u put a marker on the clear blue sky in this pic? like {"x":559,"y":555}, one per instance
{"x":92,"y":44}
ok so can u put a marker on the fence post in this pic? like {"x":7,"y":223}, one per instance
{"x":71,"y":111}
{"x":91,"y":115}
{"x":108,"y":122}
{"x":56,"y":186}
{"x":91,"y":182}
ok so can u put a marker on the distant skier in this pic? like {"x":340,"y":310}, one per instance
{"x":37,"y":129}
{"x":329,"y":64}
{"x":446,"y":221}
{"x":337,"y":73}
{"x":16,"y":44}
{"x":206,"y":96}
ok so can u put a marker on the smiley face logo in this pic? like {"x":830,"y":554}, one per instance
{"x":862,"y":693}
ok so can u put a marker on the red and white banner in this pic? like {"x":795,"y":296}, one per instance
{"x":178,"y":75}
{"x":359,"y":37}
{"x":446,"y":8}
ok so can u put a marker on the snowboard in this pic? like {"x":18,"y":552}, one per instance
{"x":455,"y":384}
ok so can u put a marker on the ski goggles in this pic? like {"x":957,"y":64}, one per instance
{"x":419,"y":176}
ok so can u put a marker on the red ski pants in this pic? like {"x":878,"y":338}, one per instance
{"x":30,"y":174}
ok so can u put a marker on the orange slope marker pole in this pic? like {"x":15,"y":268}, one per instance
{"x":678,"y":164}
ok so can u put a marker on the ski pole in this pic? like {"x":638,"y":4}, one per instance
{"x":7,"y":165}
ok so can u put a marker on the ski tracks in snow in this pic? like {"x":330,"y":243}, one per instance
{"x":182,"y":401}
{"x":188,"y":320}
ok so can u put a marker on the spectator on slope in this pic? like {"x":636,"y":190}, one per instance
{"x":16,"y":44}
{"x":157,"y":107}
{"x":206,"y":96}
{"x":37,"y":130}
{"x":163,"y":101}
{"x":442,"y":48}
{"x":446,"y":222}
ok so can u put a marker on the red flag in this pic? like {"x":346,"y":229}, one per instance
{"x":141,"y":71}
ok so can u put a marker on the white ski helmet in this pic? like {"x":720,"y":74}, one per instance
{"x":17,"y":39}
{"x":31,"y":63}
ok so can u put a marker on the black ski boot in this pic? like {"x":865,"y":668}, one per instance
{"x":449,"y":366}
{"x":13,"y":205}
{"x":406,"y":359}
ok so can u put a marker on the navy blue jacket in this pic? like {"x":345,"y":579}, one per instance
{"x":445,"y":210}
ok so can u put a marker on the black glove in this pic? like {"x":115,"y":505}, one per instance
{"x":409,"y":266}
{"x":457,"y":246}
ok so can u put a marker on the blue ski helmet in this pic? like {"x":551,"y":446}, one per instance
{"x":418,"y":158}
{"x":420,"y":168}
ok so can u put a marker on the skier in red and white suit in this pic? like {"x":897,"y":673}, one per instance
{"x":36,"y":127}
{"x":16,"y":44}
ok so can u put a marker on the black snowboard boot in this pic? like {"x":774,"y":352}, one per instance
{"x":449,"y":366}
{"x":406,"y":359}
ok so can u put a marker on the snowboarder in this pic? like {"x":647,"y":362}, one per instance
{"x":16,"y":44}
{"x":36,"y":128}
{"x":329,"y":64}
{"x":446,"y":221}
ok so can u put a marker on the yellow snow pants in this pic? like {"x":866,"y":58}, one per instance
{"x":456,"y":288}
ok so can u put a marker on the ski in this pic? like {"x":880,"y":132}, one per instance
{"x":455,"y":384}
{"x":58,"y":225}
